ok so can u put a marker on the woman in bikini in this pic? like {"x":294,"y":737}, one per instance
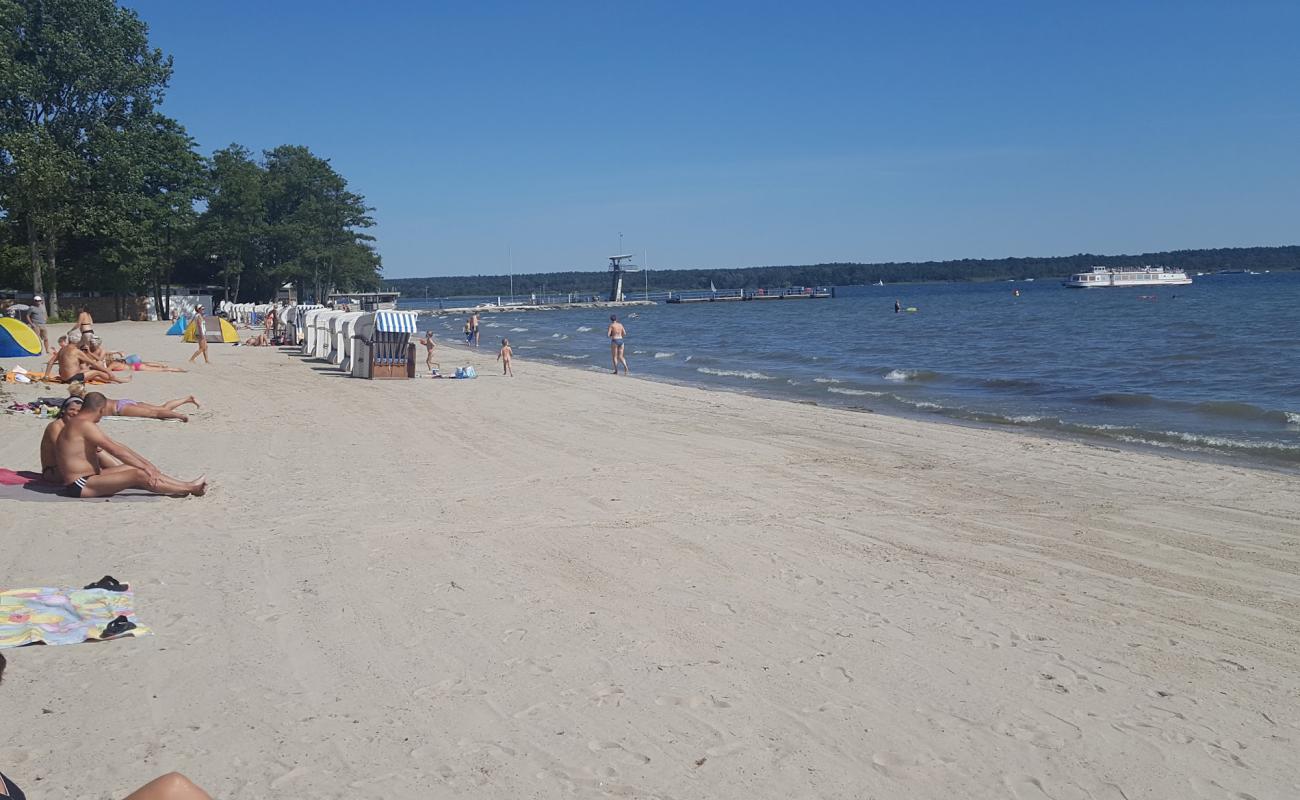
{"x":135,"y":408}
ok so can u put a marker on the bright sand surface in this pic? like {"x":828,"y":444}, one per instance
{"x":573,"y":585}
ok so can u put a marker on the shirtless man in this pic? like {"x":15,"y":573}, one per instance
{"x":49,"y":456}
{"x":473,"y":328}
{"x":616,"y":333}
{"x":84,"y":475}
{"x":76,"y":366}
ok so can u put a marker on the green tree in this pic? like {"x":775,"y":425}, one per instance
{"x":315,"y":225}
{"x":69,"y":67}
{"x":145,"y":178}
{"x":232,"y":230}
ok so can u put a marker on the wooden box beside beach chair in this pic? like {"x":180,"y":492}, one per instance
{"x":382,"y":347}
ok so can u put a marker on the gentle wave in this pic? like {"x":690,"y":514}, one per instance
{"x":853,"y":392}
{"x":583,"y":329}
{"x":900,"y":375}
{"x":825,"y":380}
{"x":735,"y":373}
{"x":1010,"y":383}
{"x":519,"y":330}
{"x":1123,"y":400}
{"x":664,"y":355}
{"x":571,"y":358}
{"x":1236,"y":410}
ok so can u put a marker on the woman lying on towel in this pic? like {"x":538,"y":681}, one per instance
{"x":120,"y":362}
{"x":172,"y":786}
{"x":141,"y":366}
{"x":135,"y":408}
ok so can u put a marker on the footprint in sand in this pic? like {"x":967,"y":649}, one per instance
{"x":603,"y":694}
{"x":615,"y":748}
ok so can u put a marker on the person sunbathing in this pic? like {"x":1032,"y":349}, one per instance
{"x":80,"y":470}
{"x":136,"y":408}
{"x":260,"y":340}
{"x":140,"y":366}
{"x":172,"y":786}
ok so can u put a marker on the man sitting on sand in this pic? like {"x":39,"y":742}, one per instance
{"x":82,"y":473}
{"x":49,"y":455}
{"x":77,"y":366}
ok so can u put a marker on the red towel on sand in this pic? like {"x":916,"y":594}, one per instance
{"x":10,"y":478}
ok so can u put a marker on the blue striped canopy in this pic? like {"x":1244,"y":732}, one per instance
{"x":395,"y":322}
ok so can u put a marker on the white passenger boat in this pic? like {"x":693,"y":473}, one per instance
{"x":1107,"y":277}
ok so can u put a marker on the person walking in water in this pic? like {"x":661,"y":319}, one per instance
{"x":473,"y":328}
{"x":616,"y":333}
{"x":201,"y":327}
{"x":897,"y":306}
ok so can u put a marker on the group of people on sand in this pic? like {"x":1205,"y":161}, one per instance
{"x":76,"y":453}
{"x":82,"y":358}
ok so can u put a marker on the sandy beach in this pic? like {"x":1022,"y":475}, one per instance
{"x":567,"y":584}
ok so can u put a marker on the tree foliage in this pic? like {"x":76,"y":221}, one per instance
{"x":99,"y":190}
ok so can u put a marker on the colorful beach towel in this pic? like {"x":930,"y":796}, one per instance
{"x":66,"y":616}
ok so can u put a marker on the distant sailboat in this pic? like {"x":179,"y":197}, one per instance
{"x":879,"y":282}
{"x":712,"y":288}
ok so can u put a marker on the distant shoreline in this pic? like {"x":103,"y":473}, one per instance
{"x":1278,"y":259}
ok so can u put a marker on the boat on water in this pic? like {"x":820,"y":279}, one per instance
{"x":1111,"y":277}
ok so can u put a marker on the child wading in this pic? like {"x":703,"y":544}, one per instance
{"x":504,"y":357}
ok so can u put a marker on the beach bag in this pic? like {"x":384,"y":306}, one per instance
{"x":466,"y":372}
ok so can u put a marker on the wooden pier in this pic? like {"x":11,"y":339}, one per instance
{"x":495,"y":308}
{"x":746,"y":295}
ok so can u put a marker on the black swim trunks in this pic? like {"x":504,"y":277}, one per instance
{"x":75,"y":488}
{"x":80,"y":377}
{"x":8,"y":790}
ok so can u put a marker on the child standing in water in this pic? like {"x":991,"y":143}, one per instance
{"x":429,"y":347}
{"x":504,"y":357}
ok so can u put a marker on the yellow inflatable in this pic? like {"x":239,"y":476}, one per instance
{"x":17,"y":340}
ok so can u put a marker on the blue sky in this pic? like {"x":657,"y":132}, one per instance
{"x":740,"y":134}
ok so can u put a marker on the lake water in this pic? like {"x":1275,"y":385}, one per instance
{"x":1213,"y":367}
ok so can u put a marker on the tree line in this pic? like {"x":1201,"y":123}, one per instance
{"x":847,"y":274}
{"x":99,"y":190}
